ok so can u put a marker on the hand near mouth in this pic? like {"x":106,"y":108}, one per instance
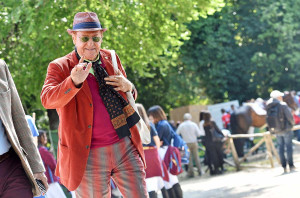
{"x":80,"y":72}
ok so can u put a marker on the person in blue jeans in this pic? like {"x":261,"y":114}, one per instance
{"x":285,"y":140}
{"x":282,"y":127}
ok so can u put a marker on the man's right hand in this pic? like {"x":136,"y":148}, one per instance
{"x":80,"y":72}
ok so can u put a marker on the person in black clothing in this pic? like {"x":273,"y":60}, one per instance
{"x":214,"y":151}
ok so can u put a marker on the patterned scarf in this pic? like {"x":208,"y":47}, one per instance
{"x":121,"y":113}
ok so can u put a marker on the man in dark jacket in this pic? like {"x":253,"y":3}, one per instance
{"x":282,"y":127}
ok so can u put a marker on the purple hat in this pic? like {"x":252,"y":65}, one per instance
{"x":86,"y":21}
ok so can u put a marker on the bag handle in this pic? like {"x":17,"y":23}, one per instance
{"x":114,"y":60}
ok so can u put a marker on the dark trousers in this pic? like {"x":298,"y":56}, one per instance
{"x":14,"y":182}
{"x":285,"y":140}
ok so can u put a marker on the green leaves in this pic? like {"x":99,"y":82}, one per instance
{"x":147,"y":36}
{"x":246,"y":50}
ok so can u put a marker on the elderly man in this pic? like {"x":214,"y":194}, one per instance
{"x":280,"y":121}
{"x":20,"y":162}
{"x":98,"y":138}
{"x":189,"y":132}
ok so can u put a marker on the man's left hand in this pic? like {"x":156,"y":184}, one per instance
{"x":41,"y":176}
{"x":119,"y":82}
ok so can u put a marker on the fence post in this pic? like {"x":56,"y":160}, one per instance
{"x":269,"y":150}
{"x":257,"y":145}
{"x":273,"y":148}
{"x":234,"y":154}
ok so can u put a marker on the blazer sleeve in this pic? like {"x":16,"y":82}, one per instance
{"x":22,"y":129}
{"x":58,"y":89}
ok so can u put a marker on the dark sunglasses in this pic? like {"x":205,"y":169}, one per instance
{"x":96,"y":39}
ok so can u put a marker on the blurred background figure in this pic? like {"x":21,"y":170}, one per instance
{"x":214,"y":150}
{"x":154,"y":170}
{"x":297,"y":122}
{"x":31,"y":123}
{"x":55,"y":190}
{"x":201,"y":122}
{"x":280,"y":121}
{"x":232,"y":109}
{"x":173,"y":124}
{"x":225,"y":119}
{"x":296,"y":97}
{"x":189,"y":132}
{"x":158,"y":117}
{"x":33,"y":129}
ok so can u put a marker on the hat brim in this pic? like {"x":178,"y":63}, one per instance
{"x":86,"y":30}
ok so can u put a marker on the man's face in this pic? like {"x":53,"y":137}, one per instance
{"x":89,"y":49}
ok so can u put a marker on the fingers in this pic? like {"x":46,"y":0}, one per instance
{"x":113,"y":83}
{"x":81,"y":59}
{"x":119,"y":82}
{"x":120,"y":88}
{"x":80,"y":66}
{"x":112,"y":78}
{"x":89,"y":66}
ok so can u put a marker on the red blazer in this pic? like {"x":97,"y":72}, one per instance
{"x":75,"y":109}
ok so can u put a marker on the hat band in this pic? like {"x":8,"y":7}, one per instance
{"x":87,"y":25}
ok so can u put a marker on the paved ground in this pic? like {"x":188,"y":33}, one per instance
{"x":251,"y":182}
{"x":247,"y":183}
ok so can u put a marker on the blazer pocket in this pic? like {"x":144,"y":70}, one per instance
{"x":64,"y":161}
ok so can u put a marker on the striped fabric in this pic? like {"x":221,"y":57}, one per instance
{"x":119,"y":161}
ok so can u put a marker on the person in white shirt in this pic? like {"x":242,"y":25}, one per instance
{"x":189,"y":132}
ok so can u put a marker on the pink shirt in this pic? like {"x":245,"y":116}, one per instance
{"x":49,"y":163}
{"x":103,"y":133}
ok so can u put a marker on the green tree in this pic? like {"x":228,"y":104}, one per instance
{"x":212,"y":55}
{"x":245,"y":50}
{"x":145,"y":34}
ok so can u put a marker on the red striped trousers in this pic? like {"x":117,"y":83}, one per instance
{"x":119,"y":161}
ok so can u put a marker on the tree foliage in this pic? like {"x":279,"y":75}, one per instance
{"x":246,"y":50}
{"x":145,"y":34}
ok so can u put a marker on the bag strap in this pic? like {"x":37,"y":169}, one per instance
{"x":114,"y":60}
{"x":50,"y":174}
